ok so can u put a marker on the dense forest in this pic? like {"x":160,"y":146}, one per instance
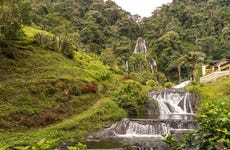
{"x":192,"y":31}
{"x":75,"y":58}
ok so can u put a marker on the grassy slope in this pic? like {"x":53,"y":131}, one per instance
{"x":40,"y":88}
{"x":215,"y":92}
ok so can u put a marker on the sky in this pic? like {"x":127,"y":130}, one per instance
{"x":144,"y":8}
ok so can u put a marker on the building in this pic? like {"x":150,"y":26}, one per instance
{"x":215,"y":70}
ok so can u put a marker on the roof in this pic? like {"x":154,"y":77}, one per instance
{"x":218,"y":61}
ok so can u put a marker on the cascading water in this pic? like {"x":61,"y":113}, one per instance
{"x":173,"y":101}
{"x":140,"y":47}
{"x":150,"y":127}
{"x":147,"y":133}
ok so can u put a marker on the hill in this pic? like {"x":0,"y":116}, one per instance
{"x":184,"y":27}
{"x":39,"y":87}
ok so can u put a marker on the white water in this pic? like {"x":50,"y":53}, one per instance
{"x":170,"y":102}
{"x":182,"y":84}
{"x":143,"y":132}
{"x":149,"y":127}
{"x":140,"y":47}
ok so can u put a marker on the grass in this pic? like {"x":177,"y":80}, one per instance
{"x":72,"y":129}
{"x":30,"y":32}
{"x":40,"y":93}
{"x":215,"y":92}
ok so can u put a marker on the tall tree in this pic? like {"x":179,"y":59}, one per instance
{"x":194,"y":58}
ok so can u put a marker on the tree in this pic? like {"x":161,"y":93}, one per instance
{"x":131,"y":97}
{"x":24,"y":12}
{"x":194,"y":58}
{"x":167,"y":48}
{"x":10,"y":26}
{"x":179,"y":61}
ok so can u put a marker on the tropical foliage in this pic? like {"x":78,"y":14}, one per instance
{"x":130,"y":96}
{"x":213,"y":119}
{"x":99,"y":37}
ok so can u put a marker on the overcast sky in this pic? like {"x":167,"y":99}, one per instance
{"x":144,"y":8}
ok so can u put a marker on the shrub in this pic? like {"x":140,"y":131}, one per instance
{"x":103,"y":75}
{"x":89,"y":88}
{"x":130,"y":96}
{"x":168,"y":85}
{"x":142,"y":77}
{"x":10,"y":24}
{"x":161,"y":78}
{"x":78,"y":146}
{"x":54,"y":43}
{"x":151,"y":83}
{"x":66,"y":47}
{"x":43,"y":40}
{"x":46,"y":145}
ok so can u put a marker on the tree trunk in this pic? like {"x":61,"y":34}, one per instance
{"x":179,"y":72}
{"x":194,"y":72}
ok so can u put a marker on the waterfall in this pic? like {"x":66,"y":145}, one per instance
{"x":140,"y":47}
{"x":149,"y":127}
{"x":174,"y":110}
{"x":173,"y":101}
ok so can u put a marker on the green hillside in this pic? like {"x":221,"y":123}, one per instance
{"x":68,"y":67}
{"x":39,"y":87}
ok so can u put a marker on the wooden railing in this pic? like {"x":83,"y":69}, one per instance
{"x":213,"y":76}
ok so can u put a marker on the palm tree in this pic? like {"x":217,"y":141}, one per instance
{"x":194,"y":58}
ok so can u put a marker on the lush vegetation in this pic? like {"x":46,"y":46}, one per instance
{"x":183,"y":29}
{"x":130,"y":96}
{"x":62,"y":61}
{"x":213,"y":119}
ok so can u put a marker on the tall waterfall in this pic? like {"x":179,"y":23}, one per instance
{"x":140,"y":47}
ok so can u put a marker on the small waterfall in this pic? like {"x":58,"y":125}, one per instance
{"x":127,"y":128}
{"x":174,"y":101}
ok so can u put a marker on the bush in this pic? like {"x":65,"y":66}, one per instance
{"x":142,"y":77}
{"x":41,"y":145}
{"x":168,"y":85}
{"x":89,"y":88}
{"x":46,"y":145}
{"x":161,"y":78}
{"x":10,"y":24}
{"x":78,"y":146}
{"x":151,"y":83}
{"x":130,"y":96}
{"x":43,"y":40}
{"x":54,"y":43}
